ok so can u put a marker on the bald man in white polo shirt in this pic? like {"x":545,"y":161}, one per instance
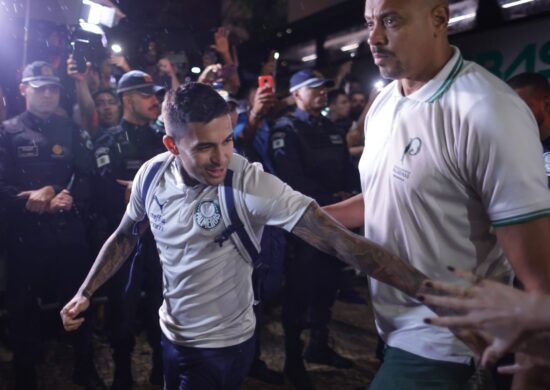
{"x":452,"y":175}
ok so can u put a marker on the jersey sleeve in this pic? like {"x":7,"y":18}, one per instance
{"x":503,"y":160}
{"x":136,"y":206}
{"x":269,"y":201}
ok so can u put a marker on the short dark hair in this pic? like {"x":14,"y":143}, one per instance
{"x":529,"y":79}
{"x":333,"y":95}
{"x":191,"y":102}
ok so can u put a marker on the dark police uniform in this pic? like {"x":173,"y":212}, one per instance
{"x":311,"y":155}
{"x":48,"y":254}
{"x":119,"y":153}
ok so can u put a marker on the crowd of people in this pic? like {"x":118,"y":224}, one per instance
{"x":192,"y":199}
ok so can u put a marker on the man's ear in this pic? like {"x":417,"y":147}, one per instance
{"x":22,"y":89}
{"x":296,"y":95}
{"x":170,"y":144}
{"x":440,"y":17}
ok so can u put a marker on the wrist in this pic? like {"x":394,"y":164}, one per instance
{"x":536,"y":317}
{"x":255,"y":116}
{"x":85,"y":293}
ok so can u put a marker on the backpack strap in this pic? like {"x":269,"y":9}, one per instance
{"x":236,"y":225}
{"x":154,"y":171}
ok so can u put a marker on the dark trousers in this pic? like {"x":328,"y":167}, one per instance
{"x":54,"y":274}
{"x":311,"y":282}
{"x":188,"y":368}
{"x":267,"y":278}
{"x":407,"y":371}
{"x":141,"y":272}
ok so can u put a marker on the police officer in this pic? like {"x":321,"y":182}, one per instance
{"x":309,"y":153}
{"x":119,"y":153}
{"x":45,"y":166}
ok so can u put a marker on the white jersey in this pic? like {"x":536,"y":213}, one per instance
{"x":207,"y":287}
{"x":440,"y":168}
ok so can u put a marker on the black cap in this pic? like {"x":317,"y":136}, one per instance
{"x":308,"y":78}
{"x":136,"y":80}
{"x":38,"y":74}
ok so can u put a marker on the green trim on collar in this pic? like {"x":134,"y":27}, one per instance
{"x":521,"y":218}
{"x":447,"y":83}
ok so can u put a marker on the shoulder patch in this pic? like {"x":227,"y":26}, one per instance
{"x":278,"y":143}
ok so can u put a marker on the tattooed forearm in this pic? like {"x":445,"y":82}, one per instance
{"x":323,"y":232}
{"x":112,"y":255}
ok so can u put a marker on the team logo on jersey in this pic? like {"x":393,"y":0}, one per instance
{"x":412,"y":148}
{"x":207,"y":214}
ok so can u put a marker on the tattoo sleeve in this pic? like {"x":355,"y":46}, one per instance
{"x":112,"y":255}
{"x":320,"y":230}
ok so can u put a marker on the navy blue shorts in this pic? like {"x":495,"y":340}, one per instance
{"x":187,"y":368}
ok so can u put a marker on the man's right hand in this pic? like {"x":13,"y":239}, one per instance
{"x":38,"y":201}
{"x":210,"y":74}
{"x":61,"y":202}
{"x":72,"y":69}
{"x":71,"y":310}
{"x":263,"y":102}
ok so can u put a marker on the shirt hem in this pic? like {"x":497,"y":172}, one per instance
{"x":521,"y":218}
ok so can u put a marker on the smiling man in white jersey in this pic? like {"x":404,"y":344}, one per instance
{"x":206,"y":247}
{"x":452,"y":175}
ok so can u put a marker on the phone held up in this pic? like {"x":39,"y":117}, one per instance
{"x":266,"y":81}
{"x":81,"y":53}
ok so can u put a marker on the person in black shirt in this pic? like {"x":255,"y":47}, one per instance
{"x":310,"y":154}
{"x":119,"y":153}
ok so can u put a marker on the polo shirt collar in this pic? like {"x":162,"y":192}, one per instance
{"x":437,"y":86}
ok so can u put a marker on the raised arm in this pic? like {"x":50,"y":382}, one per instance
{"x":112,"y":255}
{"x":83,"y":95}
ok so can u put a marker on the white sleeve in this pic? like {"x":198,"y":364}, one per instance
{"x":136,"y":206}
{"x":503,"y":160}
{"x":269,"y":201}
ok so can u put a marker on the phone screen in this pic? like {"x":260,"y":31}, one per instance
{"x":265,"y":81}
{"x":81,"y":53}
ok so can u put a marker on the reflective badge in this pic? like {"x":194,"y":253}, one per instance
{"x":336,"y":139}
{"x":46,"y":71}
{"x":102,"y":157}
{"x":27,"y":151}
{"x":207,"y":214}
{"x":87,"y":139}
{"x":57,"y":150}
{"x":278,"y":143}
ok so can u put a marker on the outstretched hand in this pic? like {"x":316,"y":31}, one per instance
{"x":501,"y":315}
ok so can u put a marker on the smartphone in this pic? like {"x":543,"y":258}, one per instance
{"x":266,"y":81}
{"x":81,"y":53}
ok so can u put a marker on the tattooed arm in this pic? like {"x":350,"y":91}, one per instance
{"x":112,"y":255}
{"x":320,"y":230}
{"x":316,"y":227}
